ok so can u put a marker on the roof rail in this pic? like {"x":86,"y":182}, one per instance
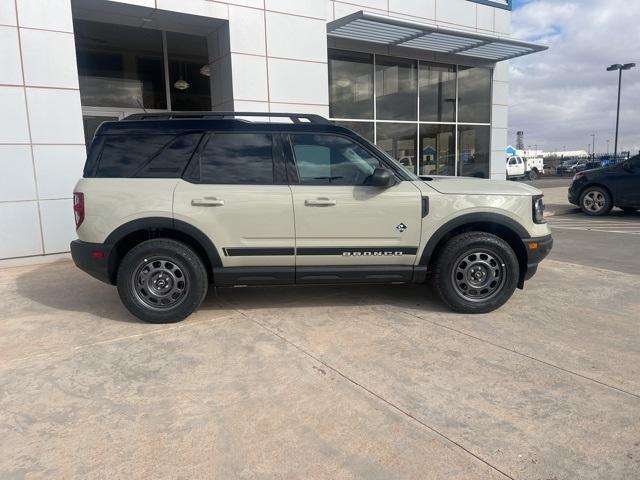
{"x":294,"y":117}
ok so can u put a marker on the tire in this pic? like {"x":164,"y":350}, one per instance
{"x":533,"y":174}
{"x":485,"y":255}
{"x":162,"y":281}
{"x":596,"y":201}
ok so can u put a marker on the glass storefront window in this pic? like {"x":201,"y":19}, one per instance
{"x":474,"y":95}
{"x":350,"y":85}
{"x":120,"y":66}
{"x":437,"y":150}
{"x":437,"y":92}
{"x":399,"y":141}
{"x":364,"y":129}
{"x":396,"y":89}
{"x":473,"y":150}
{"x":190,"y":88}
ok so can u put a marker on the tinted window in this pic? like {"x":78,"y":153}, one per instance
{"x":237,"y":158}
{"x":474,"y":95}
{"x":473,"y":151}
{"x":331,"y":160}
{"x":123,"y":155}
{"x":396,"y":89}
{"x":437,"y":93}
{"x":350,"y":85}
{"x":399,"y":141}
{"x":171,"y":161}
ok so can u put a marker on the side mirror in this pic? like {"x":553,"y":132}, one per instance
{"x":627,"y":166}
{"x":381,"y":177}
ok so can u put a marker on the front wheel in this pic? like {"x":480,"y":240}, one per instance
{"x":162,"y":281}
{"x":476,"y":272}
{"x":596,"y":201}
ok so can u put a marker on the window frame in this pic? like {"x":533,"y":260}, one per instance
{"x":191,"y":173}
{"x":292,"y":165}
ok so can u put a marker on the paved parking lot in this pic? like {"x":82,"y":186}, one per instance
{"x":321,"y":382}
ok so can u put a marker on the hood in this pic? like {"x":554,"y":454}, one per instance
{"x":479,"y":186}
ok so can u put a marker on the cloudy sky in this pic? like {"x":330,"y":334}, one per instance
{"x":562,"y":96}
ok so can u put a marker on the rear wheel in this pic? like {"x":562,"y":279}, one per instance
{"x":162,"y":281}
{"x":596,"y":201}
{"x":476,"y":272}
{"x":533,"y":174}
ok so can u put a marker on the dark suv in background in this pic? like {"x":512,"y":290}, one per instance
{"x":597,"y":191}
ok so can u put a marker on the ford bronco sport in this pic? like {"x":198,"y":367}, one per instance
{"x":172,"y":203}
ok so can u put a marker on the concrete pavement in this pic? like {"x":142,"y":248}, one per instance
{"x":321,"y":382}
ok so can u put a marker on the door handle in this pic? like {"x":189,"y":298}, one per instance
{"x":320,"y":202}
{"x":207,"y":202}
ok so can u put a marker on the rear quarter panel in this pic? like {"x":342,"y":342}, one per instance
{"x":112,"y":202}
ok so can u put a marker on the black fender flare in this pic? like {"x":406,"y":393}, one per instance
{"x":169,"y":224}
{"x":470,"y":218}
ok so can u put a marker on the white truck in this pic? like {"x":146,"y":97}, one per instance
{"x":519,"y":167}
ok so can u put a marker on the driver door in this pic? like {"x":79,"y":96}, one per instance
{"x":341,"y":221}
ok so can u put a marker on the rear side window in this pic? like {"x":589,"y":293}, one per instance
{"x":237,"y":158}
{"x":171,"y":161}
{"x":123,"y":155}
{"x":146,"y":156}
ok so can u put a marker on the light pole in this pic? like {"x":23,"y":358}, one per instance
{"x":620,"y":68}
{"x":593,"y":136}
{"x":607,"y":147}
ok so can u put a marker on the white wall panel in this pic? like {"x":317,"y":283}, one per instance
{"x":55,"y":116}
{"x":249,"y":77}
{"x":16,"y":178}
{"x":307,"y":8}
{"x":14,"y":127}
{"x":10,"y":66}
{"x":415,"y":8}
{"x":49,"y":59}
{"x":246,"y":30}
{"x":58,"y":225}
{"x":310,"y":37}
{"x":45,"y":14}
{"x":58,"y":168}
{"x":23,"y":238}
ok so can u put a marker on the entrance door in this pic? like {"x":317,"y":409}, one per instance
{"x":340,"y":221}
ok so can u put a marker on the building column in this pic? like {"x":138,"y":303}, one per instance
{"x":499,"y":120}
{"x":42,"y":148}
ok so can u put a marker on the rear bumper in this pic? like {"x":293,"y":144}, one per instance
{"x":92,"y":258}
{"x":537,"y":250}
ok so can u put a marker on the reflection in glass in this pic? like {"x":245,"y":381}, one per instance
{"x":332,"y":160}
{"x":190,"y":88}
{"x":119,"y":66}
{"x":473,"y":151}
{"x":364,"y":129}
{"x":350,"y":85}
{"x":396,"y":89}
{"x":237,"y":158}
{"x":474,"y":95}
{"x":437,"y":150}
{"x":399,"y":141}
{"x":437,"y":92}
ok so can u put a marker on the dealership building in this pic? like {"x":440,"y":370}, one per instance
{"x":426,"y":80}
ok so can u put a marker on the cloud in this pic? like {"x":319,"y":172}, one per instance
{"x":562,"y":96}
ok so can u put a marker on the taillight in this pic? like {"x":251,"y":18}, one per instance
{"x":78,"y":208}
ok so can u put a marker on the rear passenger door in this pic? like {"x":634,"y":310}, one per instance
{"x":235,"y":191}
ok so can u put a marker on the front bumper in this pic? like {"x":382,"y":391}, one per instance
{"x":93,"y":258}
{"x":537,"y":250}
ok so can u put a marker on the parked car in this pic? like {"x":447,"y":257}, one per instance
{"x":566,"y":167}
{"x":597,"y":191}
{"x":171,"y":203}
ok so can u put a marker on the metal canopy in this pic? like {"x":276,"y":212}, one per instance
{"x":390,"y":31}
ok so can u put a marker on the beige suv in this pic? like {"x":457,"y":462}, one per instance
{"x":172,"y":203}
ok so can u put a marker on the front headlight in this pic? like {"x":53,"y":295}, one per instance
{"x":577,"y":176}
{"x":538,"y":209}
